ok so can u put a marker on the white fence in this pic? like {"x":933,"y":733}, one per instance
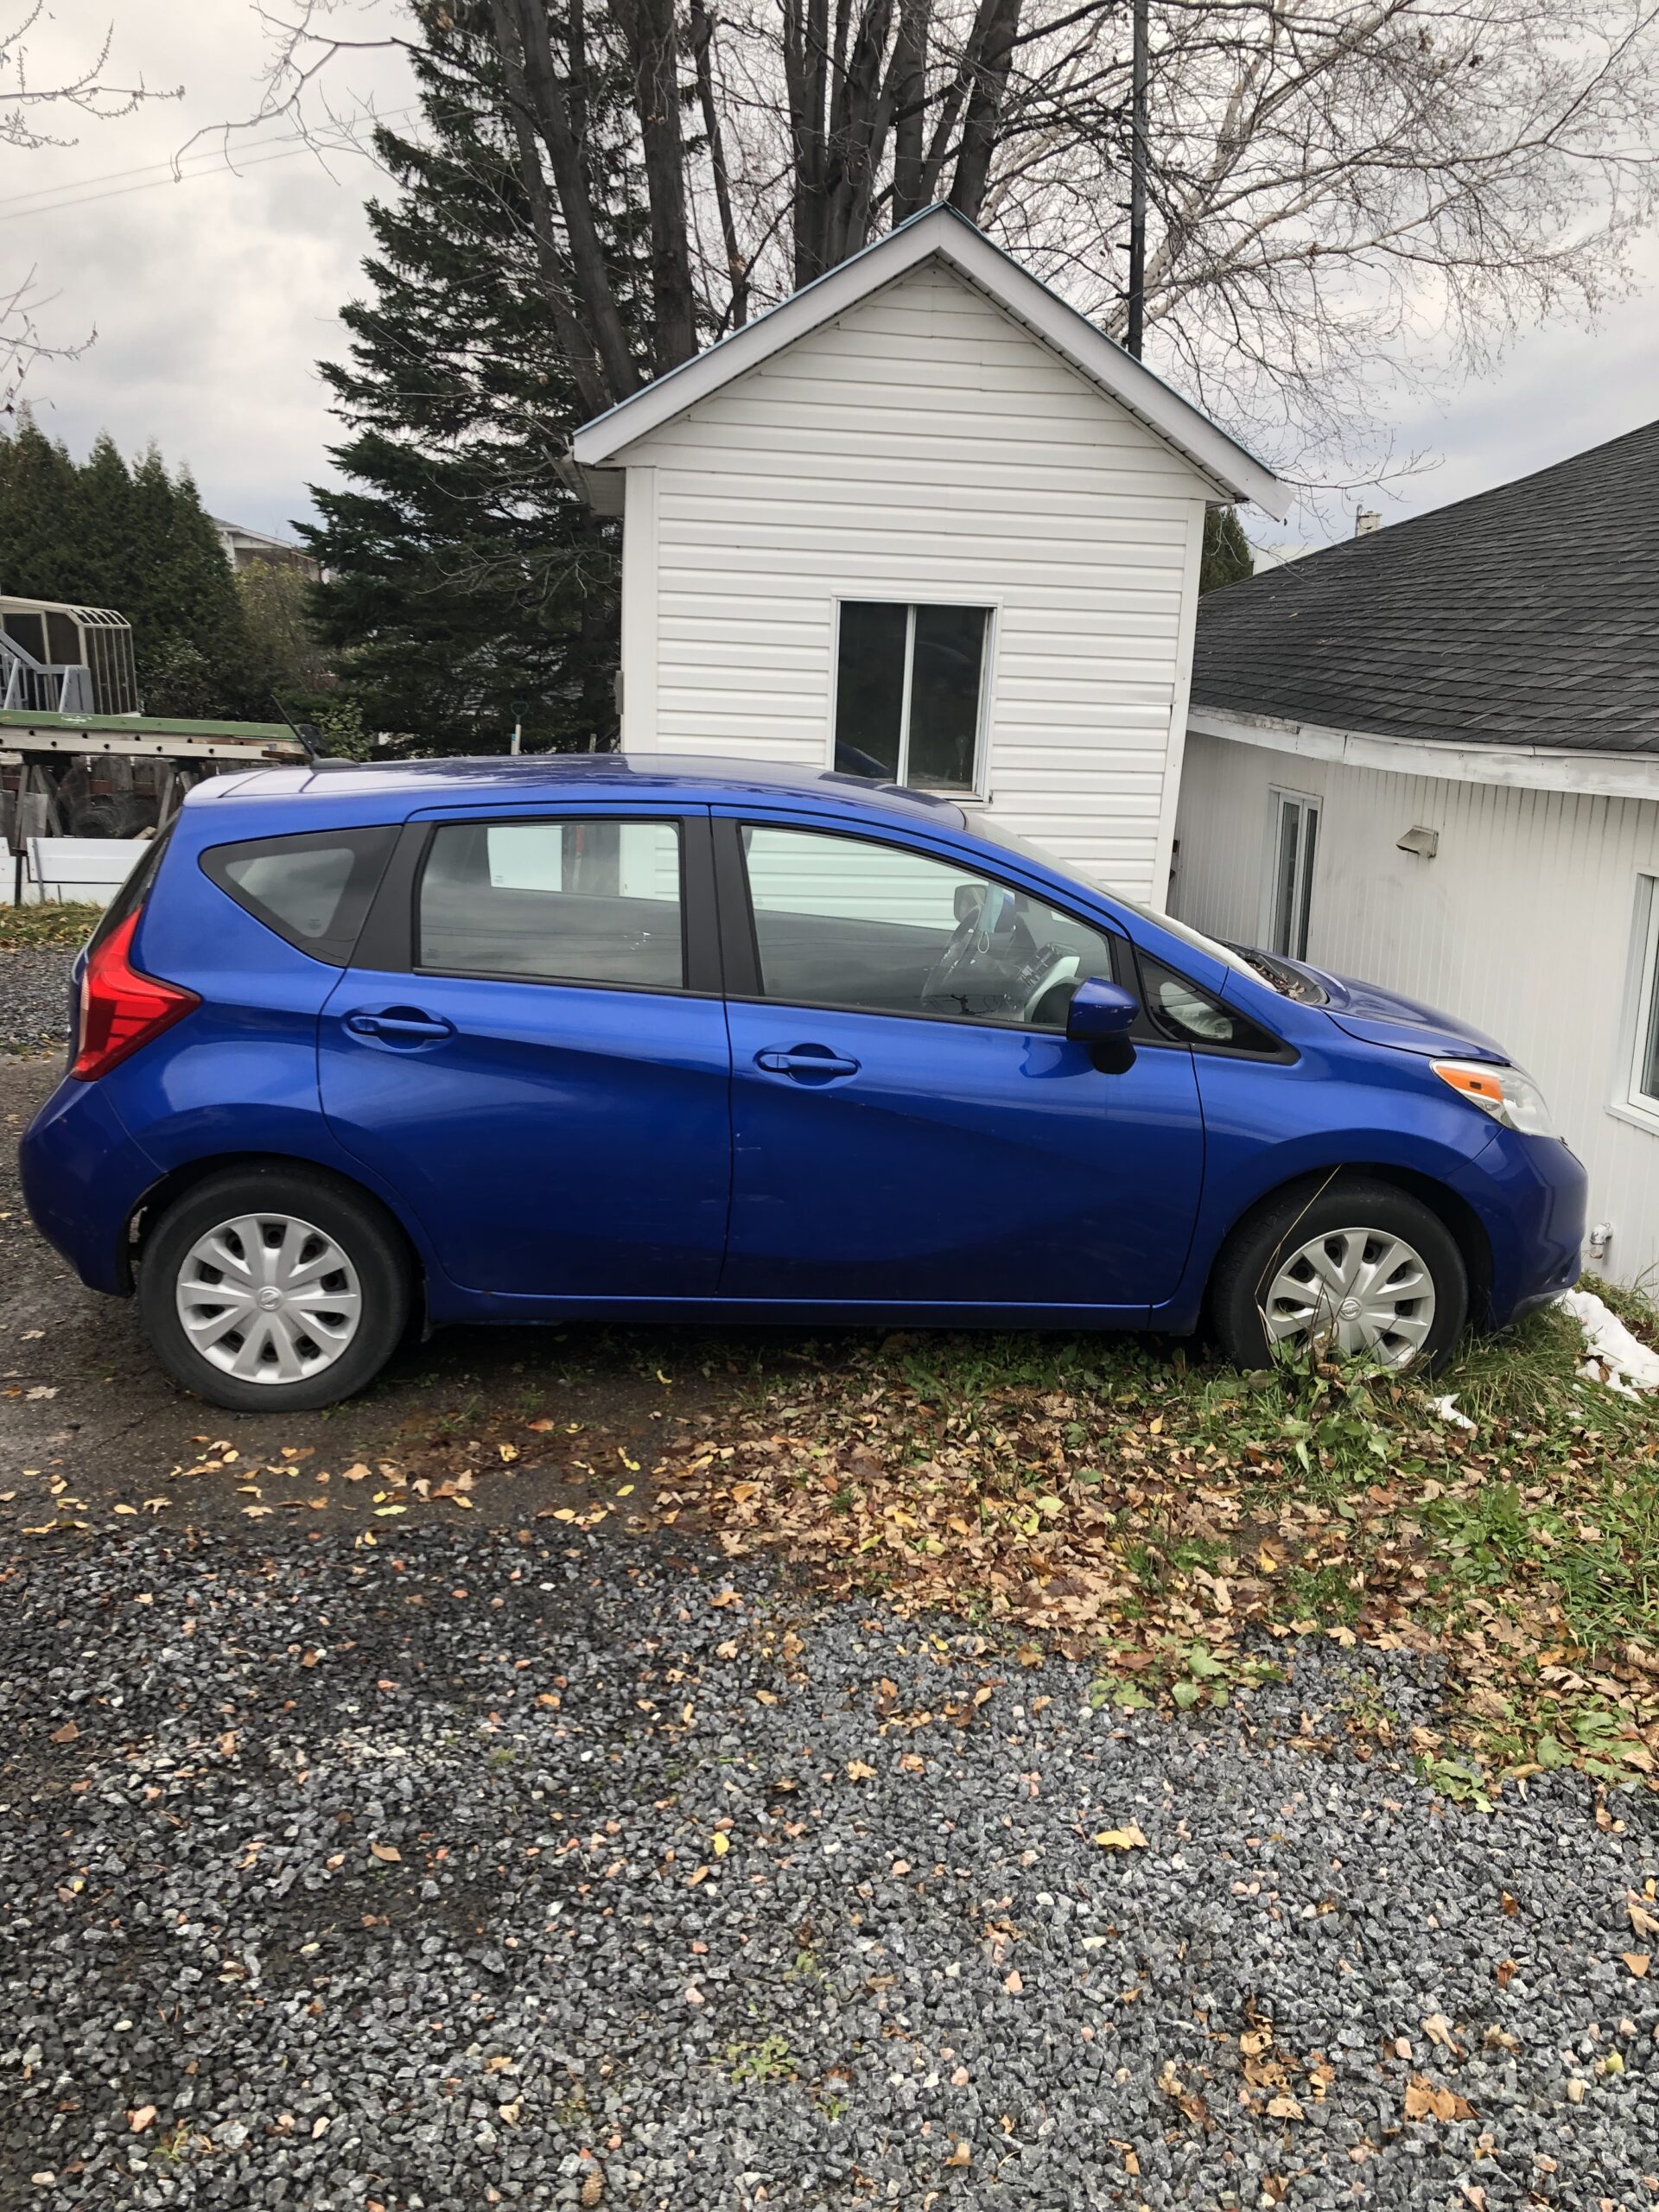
{"x":90,"y":869}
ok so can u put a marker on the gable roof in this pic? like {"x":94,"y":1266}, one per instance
{"x":1528,"y":616}
{"x":939,"y":233}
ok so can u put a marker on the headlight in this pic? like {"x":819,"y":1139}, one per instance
{"x":1508,"y":1095}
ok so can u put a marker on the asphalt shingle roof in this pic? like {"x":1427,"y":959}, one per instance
{"x":1528,"y":615}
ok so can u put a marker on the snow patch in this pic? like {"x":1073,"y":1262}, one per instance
{"x":1612,"y":1355}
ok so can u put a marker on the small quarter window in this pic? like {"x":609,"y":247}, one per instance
{"x":565,"y":902}
{"x":313,"y":890}
{"x":1188,"y":1014}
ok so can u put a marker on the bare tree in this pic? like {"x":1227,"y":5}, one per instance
{"x":1339,"y":189}
{"x":30,"y":111}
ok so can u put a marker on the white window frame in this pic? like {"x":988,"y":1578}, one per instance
{"x":1311,"y":805}
{"x":1629,"y":1101}
{"x":978,"y":789}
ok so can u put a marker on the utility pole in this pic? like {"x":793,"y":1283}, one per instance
{"x":1138,"y":185}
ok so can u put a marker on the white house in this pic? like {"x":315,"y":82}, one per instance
{"x":1430,"y":757}
{"x":924,"y":520}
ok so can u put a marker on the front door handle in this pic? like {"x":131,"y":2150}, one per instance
{"x":399,"y":1024}
{"x":812,"y":1064}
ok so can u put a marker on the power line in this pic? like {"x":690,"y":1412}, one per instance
{"x":222,"y":163}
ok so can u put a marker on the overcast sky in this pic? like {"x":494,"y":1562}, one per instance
{"x":213,"y":299}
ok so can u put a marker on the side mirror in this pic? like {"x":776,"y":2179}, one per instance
{"x":1100,"y":1013}
{"x":1099,"y":1016}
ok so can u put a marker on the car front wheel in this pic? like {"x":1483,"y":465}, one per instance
{"x":273,"y":1289}
{"x":1360,"y":1269}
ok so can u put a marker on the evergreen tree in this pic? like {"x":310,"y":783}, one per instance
{"x":138,"y":541}
{"x":1227,"y":558}
{"x":467,"y":587}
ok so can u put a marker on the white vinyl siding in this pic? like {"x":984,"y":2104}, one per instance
{"x":1531,"y":922}
{"x":926,"y":448}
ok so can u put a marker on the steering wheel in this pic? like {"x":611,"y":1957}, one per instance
{"x":986,"y":956}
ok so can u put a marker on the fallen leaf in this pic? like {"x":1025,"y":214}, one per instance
{"x":962,"y":2156}
{"x":1424,"y":2101}
{"x":1505,"y":1970}
{"x":591,"y":2190}
{"x":1013,"y":1985}
{"x":1643,"y":1922}
{"x":1438,"y":2028}
{"x":388,"y":1854}
{"x":1255,"y":2042}
{"x":1285,"y":2106}
{"x":723,"y":1843}
{"x":1637,"y":1961}
{"x":1127,"y":1837}
{"x":67,"y":1734}
{"x":857,"y":1771}
{"x":140,"y":2118}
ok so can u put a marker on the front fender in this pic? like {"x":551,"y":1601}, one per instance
{"x":1266,"y":1125}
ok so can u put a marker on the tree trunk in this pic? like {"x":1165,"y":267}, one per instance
{"x":989,"y":55}
{"x":648,"y":26}
{"x":521,"y":28}
{"x":737,"y":268}
{"x":908,"y":82}
{"x":575,"y":343}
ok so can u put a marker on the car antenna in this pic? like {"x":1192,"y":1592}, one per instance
{"x":313,"y":750}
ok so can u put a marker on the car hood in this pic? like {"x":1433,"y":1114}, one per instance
{"x":1377,"y":1016}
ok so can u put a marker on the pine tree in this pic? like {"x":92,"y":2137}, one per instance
{"x":1227,"y":558}
{"x":467,"y":588}
{"x":138,"y":541}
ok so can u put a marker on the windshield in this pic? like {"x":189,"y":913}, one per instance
{"x":1223,"y":955}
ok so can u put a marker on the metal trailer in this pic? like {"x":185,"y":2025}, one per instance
{"x":117,"y":775}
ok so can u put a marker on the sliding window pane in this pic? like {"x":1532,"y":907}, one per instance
{"x":870,"y":688}
{"x":945,"y":696}
{"x":1284,"y":889}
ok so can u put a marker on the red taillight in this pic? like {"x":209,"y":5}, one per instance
{"x":120,"y":1009}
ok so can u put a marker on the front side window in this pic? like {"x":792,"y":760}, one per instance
{"x":908,"y":684}
{"x":570,"y":902}
{"x":847,"y":922}
{"x":314,"y":889}
{"x":1295,"y":836}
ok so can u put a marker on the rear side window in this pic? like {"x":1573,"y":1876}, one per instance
{"x":313,"y":889}
{"x":555,"y":902}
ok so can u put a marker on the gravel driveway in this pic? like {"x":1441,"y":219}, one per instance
{"x":463,"y":1868}
{"x":33,"y":998}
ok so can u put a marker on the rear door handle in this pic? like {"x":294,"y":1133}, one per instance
{"x":399,"y":1024}
{"x":805,"y":1063}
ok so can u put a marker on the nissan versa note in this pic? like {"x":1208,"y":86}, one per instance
{"x":516,"y":1040}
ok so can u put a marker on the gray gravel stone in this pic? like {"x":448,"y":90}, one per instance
{"x":391,"y":1877}
{"x":33,"y":999}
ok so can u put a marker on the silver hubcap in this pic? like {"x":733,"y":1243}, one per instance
{"x":268,"y":1298}
{"x":1358,"y":1290}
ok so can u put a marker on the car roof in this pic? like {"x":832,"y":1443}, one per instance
{"x":507,"y":779}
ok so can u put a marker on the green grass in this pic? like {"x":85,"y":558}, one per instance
{"x":1157,"y":1511}
{"x":67,"y":924}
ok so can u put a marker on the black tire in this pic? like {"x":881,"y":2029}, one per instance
{"x":368,"y":1241}
{"x":1257,"y":1247}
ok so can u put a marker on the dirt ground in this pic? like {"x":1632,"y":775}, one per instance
{"x":497,"y":1423}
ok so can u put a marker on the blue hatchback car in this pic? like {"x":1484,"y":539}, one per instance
{"x":520,"y":1039}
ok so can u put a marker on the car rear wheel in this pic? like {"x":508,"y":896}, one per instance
{"x":1360,"y":1269}
{"x":272,"y":1289}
